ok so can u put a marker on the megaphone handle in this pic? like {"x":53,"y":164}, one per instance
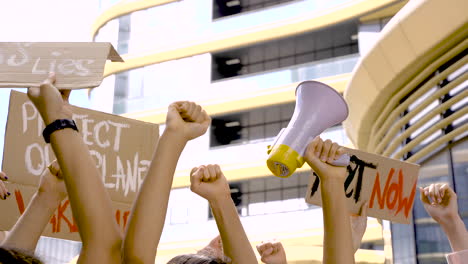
{"x":341,"y":161}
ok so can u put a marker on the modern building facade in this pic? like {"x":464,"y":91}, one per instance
{"x":241,"y":60}
{"x":415,"y":80}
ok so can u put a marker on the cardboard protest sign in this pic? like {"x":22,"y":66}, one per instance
{"x":388,"y":185}
{"x":121,"y":147}
{"x":76,"y":64}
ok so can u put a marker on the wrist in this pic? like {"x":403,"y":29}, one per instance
{"x":332,"y":181}
{"x":450,"y":222}
{"x":220,"y":200}
{"x":49,"y":118}
{"x":174,"y":134}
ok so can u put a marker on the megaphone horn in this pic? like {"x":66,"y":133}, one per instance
{"x":318,"y":107}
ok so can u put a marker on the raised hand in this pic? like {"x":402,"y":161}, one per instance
{"x":52,"y":184}
{"x":51,"y":103}
{"x":440,"y":202}
{"x":209,"y":182}
{"x":272,"y":252}
{"x":184,"y":121}
{"x":319,"y":152}
{"x":4,"y":193}
{"x":51,"y":191}
{"x":188,"y":119}
{"x":337,"y":239}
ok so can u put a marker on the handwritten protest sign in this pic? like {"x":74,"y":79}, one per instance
{"x":122,"y":149}
{"x":77,"y":65}
{"x":388,"y":185}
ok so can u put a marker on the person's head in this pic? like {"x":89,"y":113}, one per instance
{"x":211,"y":254}
{"x":195,"y":259}
{"x":8,"y":256}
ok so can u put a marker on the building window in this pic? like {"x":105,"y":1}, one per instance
{"x":223,"y":8}
{"x":258,"y":124}
{"x":270,"y":195}
{"x":124,"y":34}
{"x":120,"y":93}
{"x":319,"y":45}
{"x":424,"y":241}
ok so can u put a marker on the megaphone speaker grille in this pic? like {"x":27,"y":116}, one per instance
{"x":281,"y":169}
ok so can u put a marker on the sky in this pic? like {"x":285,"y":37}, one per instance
{"x":44,"y":21}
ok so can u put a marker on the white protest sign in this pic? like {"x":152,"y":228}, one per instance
{"x":388,"y":185}
{"x":76,"y":64}
{"x":121,"y":147}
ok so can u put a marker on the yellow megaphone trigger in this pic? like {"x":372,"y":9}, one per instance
{"x":284,"y":160}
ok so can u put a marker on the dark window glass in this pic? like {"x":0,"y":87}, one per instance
{"x":223,"y":8}
{"x":318,"y":45}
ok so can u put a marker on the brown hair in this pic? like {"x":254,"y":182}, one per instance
{"x":8,"y":256}
{"x":195,"y":259}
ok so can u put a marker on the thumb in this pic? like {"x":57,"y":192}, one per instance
{"x":173,"y":110}
{"x":54,"y":169}
{"x":424,"y":198}
{"x":33,"y":92}
{"x":312,"y":154}
{"x":65,"y":95}
{"x":48,"y":82}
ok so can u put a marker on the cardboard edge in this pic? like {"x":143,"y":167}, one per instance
{"x":113,"y":55}
{"x":60,"y":87}
{"x":407,"y":162}
{"x":6,"y":127}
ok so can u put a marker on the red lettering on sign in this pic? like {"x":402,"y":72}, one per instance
{"x":125,"y":218}
{"x":19,"y":201}
{"x":405,"y":202}
{"x":53,"y":221}
{"x":392,"y":194}
{"x":59,"y":216}
{"x":72,"y":227}
{"x":376,"y":190}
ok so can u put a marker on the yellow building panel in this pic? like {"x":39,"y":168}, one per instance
{"x":396,"y":49}
{"x":383,"y":74}
{"x":429,"y":39}
{"x":281,"y":29}
{"x":424,"y":31}
{"x":385,"y":12}
{"x":122,"y":8}
{"x":363,"y":89}
{"x":273,"y":96}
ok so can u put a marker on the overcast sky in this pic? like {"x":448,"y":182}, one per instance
{"x":44,"y":21}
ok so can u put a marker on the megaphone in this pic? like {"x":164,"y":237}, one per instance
{"x":318,"y":107}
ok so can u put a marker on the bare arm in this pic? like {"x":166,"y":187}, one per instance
{"x":90,"y":203}
{"x":440,"y":202}
{"x":358,"y":226}
{"x":337,"y":241}
{"x":210,"y":183}
{"x":149,"y":210}
{"x":28,"y":229}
